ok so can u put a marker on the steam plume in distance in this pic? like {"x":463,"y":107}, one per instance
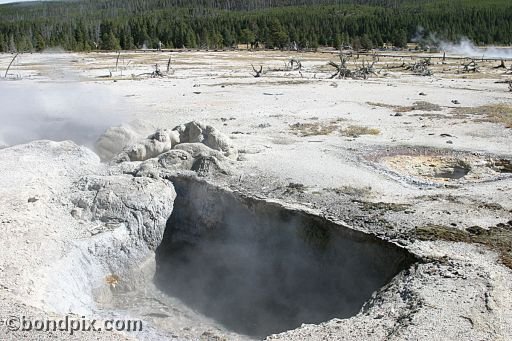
{"x":463,"y":47}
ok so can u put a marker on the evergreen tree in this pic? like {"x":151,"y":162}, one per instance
{"x":3,"y":43}
{"x":110,"y":42}
{"x":12,"y":44}
{"x":40,"y":43}
{"x":190,"y":40}
{"x":247,"y":36}
{"x":400,"y":39}
{"x":278,"y":37}
{"x":356,"y":44}
{"x":366,"y":42}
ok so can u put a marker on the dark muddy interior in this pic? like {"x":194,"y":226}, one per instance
{"x":453,"y":170}
{"x":259,"y":269}
{"x":502,"y":166}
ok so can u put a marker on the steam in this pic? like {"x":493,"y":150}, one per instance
{"x":56,"y":111}
{"x":463,"y":47}
{"x":467,"y":48}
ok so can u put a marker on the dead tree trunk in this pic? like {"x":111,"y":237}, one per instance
{"x":295,"y":64}
{"x":257,"y":73}
{"x":501,"y":66}
{"x":157,"y":72}
{"x":508,"y":82}
{"x":365,"y":71}
{"x":12,"y":61}
{"x":169,"y":64}
{"x":117,"y":60}
{"x":472,"y":66}
{"x":342,"y":71}
{"x":421,"y":68}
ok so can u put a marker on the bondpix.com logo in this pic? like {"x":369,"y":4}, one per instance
{"x":68,"y":324}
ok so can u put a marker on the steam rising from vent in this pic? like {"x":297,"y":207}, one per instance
{"x":63,"y":111}
{"x":467,"y":48}
{"x":464,"y":47}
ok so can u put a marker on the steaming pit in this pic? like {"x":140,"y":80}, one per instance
{"x":437,"y":168}
{"x":444,"y":167}
{"x":257,"y":268}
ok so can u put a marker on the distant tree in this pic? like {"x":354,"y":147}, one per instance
{"x":216,"y":40}
{"x":12,"y":44}
{"x":366,"y":42}
{"x":204,"y":40}
{"x":129,"y":43}
{"x":110,"y":42}
{"x":40,"y":43}
{"x":356,"y":44}
{"x":24,"y":44}
{"x":378,"y":40}
{"x":338,"y":41}
{"x":345,"y":38}
{"x":227,"y":38}
{"x":3,"y":44}
{"x":400,"y":39}
{"x":247,"y":36}
{"x":190,"y":40}
{"x":278,"y":37}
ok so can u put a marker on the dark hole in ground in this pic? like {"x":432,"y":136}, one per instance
{"x":258,"y":268}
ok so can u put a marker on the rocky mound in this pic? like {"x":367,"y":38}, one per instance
{"x":115,"y":139}
{"x":68,"y":224}
{"x":192,"y":146}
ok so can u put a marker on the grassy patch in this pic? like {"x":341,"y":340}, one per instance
{"x":383,"y":206}
{"x":426,"y":106}
{"x":295,"y":187}
{"x":317,"y":127}
{"x":495,"y":113}
{"x":419,"y":105}
{"x":382,"y":105}
{"x":112,"y":280}
{"x":351,"y":191}
{"x":313,"y":129}
{"x":326,"y":128}
{"x":498,"y":238}
{"x":241,"y":83}
{"x":356,"y":131}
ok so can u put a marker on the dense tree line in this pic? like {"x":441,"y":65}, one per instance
{"x":127,"y":24}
